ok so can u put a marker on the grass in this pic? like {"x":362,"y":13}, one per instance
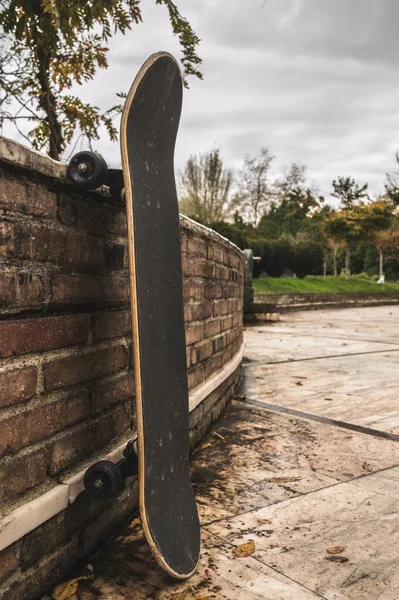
{"x":320,"y":284}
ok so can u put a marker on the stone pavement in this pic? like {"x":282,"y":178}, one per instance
{"x":304,"y":461}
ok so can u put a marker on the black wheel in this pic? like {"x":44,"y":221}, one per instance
{"x":87,"y":170}
{"x":103,"y":480}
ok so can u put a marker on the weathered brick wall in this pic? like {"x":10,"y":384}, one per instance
{"x":66,"y":379}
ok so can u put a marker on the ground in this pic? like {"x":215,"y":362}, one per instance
{"x":279,"y":285}
{"x":303,"y":467}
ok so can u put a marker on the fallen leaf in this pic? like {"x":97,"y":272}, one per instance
{"x":286,"y":479}
{"x":244,"y":549}
{"x":218,"y":435}
{"x":189,"y":595}
{"x":336,"y":549}
{"x":298,"y":383}
{"x":264,"y":521}
{"x":367,"y":467}
{"x":337,"y":558}
{"x":67,"y":589}
{"x":136,"y":522}
{"x":328,"y":399}
{"x":242,"y":426}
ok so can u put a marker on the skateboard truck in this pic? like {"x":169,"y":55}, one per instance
{"x":89,"y":171}
{"x":105,"y":479}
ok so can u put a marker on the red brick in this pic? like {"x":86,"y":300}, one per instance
{"x":8,"y":561}
{"x":220,"y":308}
{"x":107,"y":523}
{"x":194,"y":334}
{"x":41,"y":422}
{"x":213,"y":290}
{"x":111,"y":324}
{"x":214,"y":364}
{"x":47,"y":333}
{"x":74,"y":369}
{"x":216,"y":253}
{"x":20,"y":195}
{"x":193,"y":290}
{"x":219,"y":342}
{"x":20,"y":474}
{"x":40,"y":244}
{"x":212,"y":327}
{"x":21,"y":290}
{"x":91,"y":215}
{"x":81,"y":289}
{"x":115,"y":256}
{"x":78,"y":445}
{"x":198,"y":246}
{"x":196,"y":376}
{"x":204,"y":350}
{"x":84,"y":251}
{"x":105,"y":394}
{"x":17,"y":385}
{"x":42,"y":578}
{"x":222,"y":272}
{"x":201,"y":311}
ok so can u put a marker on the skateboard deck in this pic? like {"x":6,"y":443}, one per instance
{"x":149,"y":127}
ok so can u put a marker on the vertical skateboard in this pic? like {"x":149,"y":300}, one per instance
{"x":149,"y":127}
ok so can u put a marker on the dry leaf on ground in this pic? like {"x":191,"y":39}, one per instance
{"x":282,"y":479}
{"x":264,"y":521}
{"x":67,"y":589}
{"x":337,"y":558}
{"x":244,"y":549}
{"x":136,"y":522}
{"x":218,"y":435}
{"x":367,"y":467}
{"x":189,"y":595}
{"x":336,"y":549}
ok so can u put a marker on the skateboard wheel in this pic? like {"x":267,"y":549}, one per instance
{"x":103,"y":480}
{"x":87,"y":170}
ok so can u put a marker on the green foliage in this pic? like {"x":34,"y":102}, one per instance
{"x":49,"y":45}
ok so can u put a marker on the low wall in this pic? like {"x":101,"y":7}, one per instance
{"x":272,"y":303}
{"x":66,"y":374}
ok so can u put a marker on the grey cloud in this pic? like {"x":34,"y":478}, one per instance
{"x":315,"y":80}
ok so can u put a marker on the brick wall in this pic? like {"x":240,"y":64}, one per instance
{"x":66,"y":379}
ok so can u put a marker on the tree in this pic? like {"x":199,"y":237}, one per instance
{"x":387,"y":244}
{"x":345,"y":225}
{"x":392,"y":184}
{"x":359,"y":222}
{"x":293,"y":179}
{"x":254,"y":192}
{"x":50,"y":45}
{"x":205,"y":187}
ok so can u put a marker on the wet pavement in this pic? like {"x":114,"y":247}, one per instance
{"x":300,"y":475}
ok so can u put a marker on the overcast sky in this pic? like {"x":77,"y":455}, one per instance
{"x":314,"y":80}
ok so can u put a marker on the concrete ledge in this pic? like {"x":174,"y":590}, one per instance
{"x":295,"y":302}
{"x":32,"y":514}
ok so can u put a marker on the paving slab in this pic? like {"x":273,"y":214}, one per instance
{"x":300,"y":531}
{"x":292,"y":485}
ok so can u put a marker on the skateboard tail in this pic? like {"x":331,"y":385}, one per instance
{"x":189,"y":556}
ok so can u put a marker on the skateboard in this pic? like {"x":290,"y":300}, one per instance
{"x":149,"y":127}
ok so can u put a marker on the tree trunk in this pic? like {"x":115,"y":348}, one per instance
{"x":348,"y":263}
{"x":48,"y":103}
{"x":381,"y":264}
{"x":335,"y":261}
